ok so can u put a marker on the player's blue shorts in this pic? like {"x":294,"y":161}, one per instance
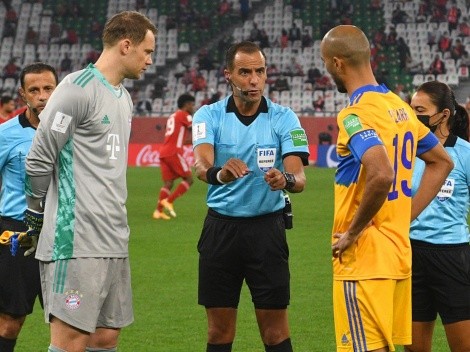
{"x":253,"y":249}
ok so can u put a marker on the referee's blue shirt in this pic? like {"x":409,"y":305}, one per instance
{"x":16,"y":136}
{"x":444,"y":221}
{"x":261,"y":141}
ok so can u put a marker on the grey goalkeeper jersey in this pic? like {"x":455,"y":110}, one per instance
{"x":79,"y":158}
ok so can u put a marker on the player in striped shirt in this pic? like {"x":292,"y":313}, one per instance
{"x":378,"y":141}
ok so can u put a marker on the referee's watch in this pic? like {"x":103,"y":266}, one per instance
{"x":290,"y":181}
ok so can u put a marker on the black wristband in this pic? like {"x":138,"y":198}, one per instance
{"x":290,"y":181}
{"x":211,"y":175}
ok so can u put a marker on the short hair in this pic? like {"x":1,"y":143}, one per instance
{"x":127,"y":24}
{"x":5,"y":99}
{"x":244,"y":47}
{"x":37,"y":67}
{"x":183,"y":99}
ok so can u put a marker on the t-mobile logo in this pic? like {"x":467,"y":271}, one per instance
{"x":113,"y":146}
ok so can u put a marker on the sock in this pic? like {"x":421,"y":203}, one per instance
{"x":7,"y":345}
{"x":226,"y":347}
{"x":284,"y":346}
{"x":164,"y":193}
{"x":92,"y":349}
{"x":179,"y":191}
{"x":54,"y":349}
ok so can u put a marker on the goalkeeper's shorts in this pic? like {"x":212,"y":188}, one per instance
{"x":19,"y":275}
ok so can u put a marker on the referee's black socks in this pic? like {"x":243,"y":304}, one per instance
{"x":284,"y":346}
{"x":7,"y":345}
{"x":226,"y":347}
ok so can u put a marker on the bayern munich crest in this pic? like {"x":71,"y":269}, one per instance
{"x":73,"y":300}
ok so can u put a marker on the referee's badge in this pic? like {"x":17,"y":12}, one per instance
{"x":266,"y":158}
{"x":447,"y":190}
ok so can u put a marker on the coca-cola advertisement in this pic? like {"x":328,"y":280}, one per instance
{"x":149,"y":154}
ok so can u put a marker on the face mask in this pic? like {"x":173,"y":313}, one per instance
{"x":425,"y":120}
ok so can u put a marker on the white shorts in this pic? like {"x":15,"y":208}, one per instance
{"x":88,"y":293}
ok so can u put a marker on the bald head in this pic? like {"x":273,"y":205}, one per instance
{"x":348,"y":43}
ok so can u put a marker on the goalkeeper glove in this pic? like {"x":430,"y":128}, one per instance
{"x":34,"y":220}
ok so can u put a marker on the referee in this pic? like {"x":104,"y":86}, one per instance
{"x":249,"y":150}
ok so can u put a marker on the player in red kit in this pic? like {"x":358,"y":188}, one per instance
{"x":172,"y":163}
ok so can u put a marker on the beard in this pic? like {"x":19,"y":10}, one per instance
{"x":339,"y":85}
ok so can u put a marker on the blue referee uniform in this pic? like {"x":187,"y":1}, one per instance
{"x":440,"y":244}
{"x":19,"y":275}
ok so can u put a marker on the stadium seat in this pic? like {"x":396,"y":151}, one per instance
{"x":418,"y":79}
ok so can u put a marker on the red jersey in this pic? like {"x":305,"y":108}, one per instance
{"x":176,"y":127}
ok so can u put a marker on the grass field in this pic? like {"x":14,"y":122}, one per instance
{"x":164,"y":275}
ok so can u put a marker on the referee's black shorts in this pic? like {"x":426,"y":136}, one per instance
{"x":19,"y":275}
{"x":441,"y":282}
{"x":252,"y":249}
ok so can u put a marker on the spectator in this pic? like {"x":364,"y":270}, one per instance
{"x":7,"y":106}
{"x":244,"y":9}
{"x":399,"y":16}
{"x":437,"y":66}
{"x":254,"y":33}
{"x":319,"y":103}
{"x":281,"y":84}
{"x":437,"y":15}
{"x":297,"y":5}
{"x":421,"y":16}
{"x":32,"y":36}
{"x":284,"y":40}
{"x":294,"y":68}
{"x":294,"y":33}
{"x":95,"y":32}
{"x":464,"y":28}
{"x":54,"y":32}
{"x":224,"y":7}
{"x":313,"y":74}
{"x":323,"y":82}
{"x":414,"y":67}
{"x":66,"y":64}
{"x":264,"y":39}
{"x":444,"y":43}
{"x":465,"y":60}
{"x":457,"y":50}
{"x":392,"y":36}
{"x":375,"y":6}
{"x":453,"y":16}
{"x":307,"y":40}
{"x":189,"y":75}
{"x":272,"y":72}
{"x":159,"y":87}
{"x":204,"y":60}
{"x":91,"y":57}
{"x":144,"y":107}
{"x":379,"y":38}
{"x":402,"y":93}
{"x":199,"y":83}
{"x":11,"y":70}
{"x":403,"y":52}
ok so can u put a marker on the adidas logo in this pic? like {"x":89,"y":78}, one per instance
{"x":105,"y":120}
{"x":344,"y":339}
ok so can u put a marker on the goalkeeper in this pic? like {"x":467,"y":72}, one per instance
{"x":19,"y":274}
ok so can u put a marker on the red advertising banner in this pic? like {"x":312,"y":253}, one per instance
{"x":148,"y":133}
{"x":149,"y":154}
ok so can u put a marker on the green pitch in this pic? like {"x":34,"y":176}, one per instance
{"x":164,"y":275}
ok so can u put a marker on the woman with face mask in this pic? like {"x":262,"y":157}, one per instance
{"x":440,"y":235}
